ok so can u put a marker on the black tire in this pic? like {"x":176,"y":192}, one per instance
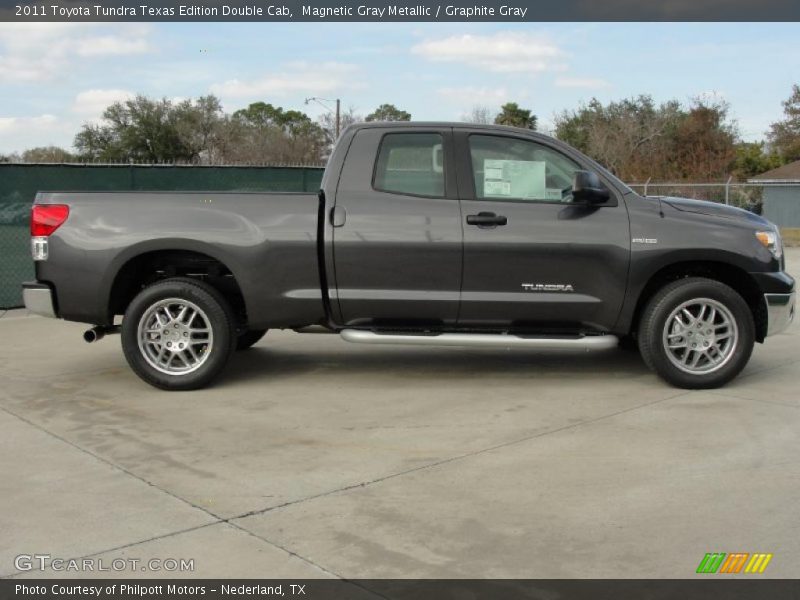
{"x":248,"y":338}
{"x":728,"y":306}
{"x":213,"y":356}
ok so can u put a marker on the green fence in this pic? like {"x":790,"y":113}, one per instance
{"x":20,"y":182}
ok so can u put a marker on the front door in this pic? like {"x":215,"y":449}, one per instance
{"x":533,"y":259}
{"x":397,"y":230}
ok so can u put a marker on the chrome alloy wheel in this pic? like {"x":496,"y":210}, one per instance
{"x":700,"y":336}
{"x":175,"y":336}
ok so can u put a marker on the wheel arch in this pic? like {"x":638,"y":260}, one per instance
{"x":145,"y":264}
{"x":731,"y":275}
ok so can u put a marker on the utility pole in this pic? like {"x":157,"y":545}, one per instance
{"x":321,"y":102}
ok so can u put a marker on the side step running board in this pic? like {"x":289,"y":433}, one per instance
{"x":588,"y":342}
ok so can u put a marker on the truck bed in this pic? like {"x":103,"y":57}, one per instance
{"x":267,"y":240}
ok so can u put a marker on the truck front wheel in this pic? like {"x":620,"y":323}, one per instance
{"x":696,"y":333}
{"x":178,"y":334}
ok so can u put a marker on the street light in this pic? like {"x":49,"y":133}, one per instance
{"x":321,"y":102}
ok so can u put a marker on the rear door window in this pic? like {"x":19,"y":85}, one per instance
{"x":411,"y":164}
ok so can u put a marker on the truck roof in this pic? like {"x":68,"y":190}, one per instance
{"x":488,"y":127}
{"x":439,"y":124}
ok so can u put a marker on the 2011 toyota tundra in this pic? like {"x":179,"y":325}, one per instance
{"x":422,"y":233}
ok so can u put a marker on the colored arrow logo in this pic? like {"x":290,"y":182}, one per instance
{"x":732,"y":563}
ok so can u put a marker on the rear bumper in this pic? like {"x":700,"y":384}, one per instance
{"x":38,"y":299}
{"x":780,"y":311}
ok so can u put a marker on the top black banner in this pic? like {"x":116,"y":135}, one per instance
{"x":387,"y":10}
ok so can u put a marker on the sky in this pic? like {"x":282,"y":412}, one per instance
{"x":56,"y":76}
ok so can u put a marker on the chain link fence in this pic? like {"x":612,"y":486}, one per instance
{"x":20,"y":182}
{"x":749,"y":196}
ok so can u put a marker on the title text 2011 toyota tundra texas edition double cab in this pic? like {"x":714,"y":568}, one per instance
{"x":422,"y":233}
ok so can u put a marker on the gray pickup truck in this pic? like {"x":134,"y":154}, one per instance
{"x":422,"y":233}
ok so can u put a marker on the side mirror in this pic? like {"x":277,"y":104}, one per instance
{"x":587,"y":187}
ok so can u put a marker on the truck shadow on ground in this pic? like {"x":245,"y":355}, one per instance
{"x":263,"y":362}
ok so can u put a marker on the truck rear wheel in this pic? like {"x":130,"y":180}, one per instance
{"x":696,"y":333}
{"x":178,"y":334}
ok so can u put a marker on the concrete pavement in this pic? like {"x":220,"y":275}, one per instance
{"x":316,"y":458}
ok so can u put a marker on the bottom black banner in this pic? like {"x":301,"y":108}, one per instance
{"x":405,"y":589}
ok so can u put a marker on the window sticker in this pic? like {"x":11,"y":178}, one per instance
{"x":513,"y":179}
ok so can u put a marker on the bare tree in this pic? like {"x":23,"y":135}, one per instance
{"x":638,"y":139}
{"x":263,"y":133}
{"x":47,"y":154}
{"x":198,"y":125}
{"x":328,"y":122}
{"x":481,"y":115}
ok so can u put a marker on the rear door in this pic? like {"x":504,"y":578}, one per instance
{"x":533,"y":259}
{"x":397,"y":230}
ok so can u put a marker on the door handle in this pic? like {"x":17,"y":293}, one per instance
{"x":338,"y":216}
{"x":486,"y":219}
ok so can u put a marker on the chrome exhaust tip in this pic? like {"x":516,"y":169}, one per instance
{"x":99,"y":332}
{"x":94,"y":334}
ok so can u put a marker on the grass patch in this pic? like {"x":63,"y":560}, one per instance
{"x":791,"y":236}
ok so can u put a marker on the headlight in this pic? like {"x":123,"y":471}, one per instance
{"x":771,"y":240}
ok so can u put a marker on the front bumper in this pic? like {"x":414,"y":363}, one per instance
{"x":780,"y":311}
{"x":38,"y":299}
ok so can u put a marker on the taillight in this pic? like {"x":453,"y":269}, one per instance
{"x":46,"y":218}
